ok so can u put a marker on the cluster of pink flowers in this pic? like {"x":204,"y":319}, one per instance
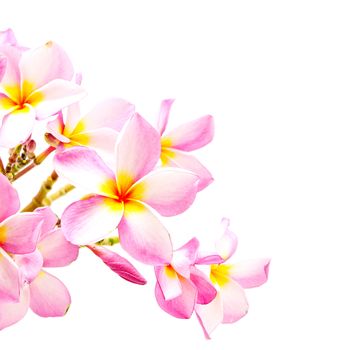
{"x":133,"y":173}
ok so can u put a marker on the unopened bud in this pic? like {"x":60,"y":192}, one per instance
{"x":51,"y":140}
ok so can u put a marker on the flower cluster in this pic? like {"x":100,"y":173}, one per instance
{"x":133,"y":174}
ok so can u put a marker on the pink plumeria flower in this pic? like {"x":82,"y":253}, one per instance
{"x":180,"y":285}
{"x":18,"y":235}
{"x":40,"y":291}
{"x":118,"y":264}
{"x":97,"y":129}
{"x":185,"y":138}
{"x":230,"y":303}
{"x":122,"y":198}
{"x":35,"y":85}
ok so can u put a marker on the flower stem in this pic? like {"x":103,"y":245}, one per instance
{"x":45,"y":188}
{"x":60,"y":193}
{"x":109,"y":241}
{"x":36,"y":161}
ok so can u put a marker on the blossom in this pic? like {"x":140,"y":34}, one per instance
{"x":230,"y":303}
{"x":118,"y":264}
{"x":185,"y":138}
{"x":97,"y":129}
{"x":180,"y":285}
{"x":40,"y":291}
{"x":122,"y":198}
{"x":18,"y":235}
{"x":35,"y":85}
{"x":7,"y":37}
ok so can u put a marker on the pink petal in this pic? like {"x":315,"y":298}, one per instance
{"x":251,"y":273}
{"x":12,"y":312}
{"x":30,"y":265}
{"x":7,"y":105}
{"x":49,"y":297}
{"x":169,"y":191}
{"x":205,"y":258}
{"x":55,"y":95}
{"x":206,"y":290}
{"x":234,"y":302}
{"x":73,"y":117}
{"x":9,"y":196}
{"x":89,"y":220}
{"x":227,"y":244}
{"x":137,"y":151}
{"x":102,"y":139}
{"x":111,"y":113}
{"x":17,"y":126}
{"x":83,"y":168}
{"x":56,"y":250}
{"x":118,"y":264}
{"x":143,"y":236}
{"x":50,"y":220}
{"x":176,"y":158}
{"x":192,"y":135}
{"x":19,"y":233}
{"x":44,"y":64}
{"x":3,"y":61}
{"x":7,"y":37}
{"x":9,"y":278}
{"x":210,"y":315}
{"x":185,"y":257}
{"x":56,"y":127}
{"x":164,"y":115}
{"x":181,"y":306}
{"x":11,"y":81}
{"x":168,"y":281}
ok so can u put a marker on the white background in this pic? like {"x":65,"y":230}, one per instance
{"x":276,"y":77}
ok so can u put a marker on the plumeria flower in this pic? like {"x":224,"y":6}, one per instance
{"x":185,"y":138}
{"x":123,"y":198}
{"x":35,"y":85}
{"x":18,"y":235}
{"x":40,"y":291}
{"x":180,"y":285}
{"x":97,"y":129}
{"x":230,"y":303}
{"x":118,"y":264}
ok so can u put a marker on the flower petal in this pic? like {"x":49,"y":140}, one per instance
{"x":44,"y":64}
{"x":7,"y":37}
{"x":7,"y":105}
{"x":206,"y":291}
{"x":8,"y":195}
{"x":234,"y":301}
{"x":84,"y":168}
{"x":49,"y":297}
{"x":118,"y":264}
{"x":10,"y":82}
{"x":143,"y":236}
{"x":164,"y":115}
{"x":89,"y":220}
{"x":73,"y":116}
{"x":192,"y":135}
{"x":168,"y":281}
{"x":210,"y":315}
{"x":227,"y":244}
{"x":111,"y":113}
{"x":50,"y":220}
{"x":251,"y":273}
{"x":12,"y":312}
{"x":137,"y":151}
{"x":56,"y":250}
{"x":176,"y":158}
{"x":19,"y":233}
{"x":3,"y":61}
{"x":181,"y":306}
{"x":169,"y":191}
{"x":9,"y":278}
{"x":185,"y":257}
{"x":56,"y":127}
{"x":55,"y":95}
{"x":29,"y":264}
{"x":17,"y":126}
